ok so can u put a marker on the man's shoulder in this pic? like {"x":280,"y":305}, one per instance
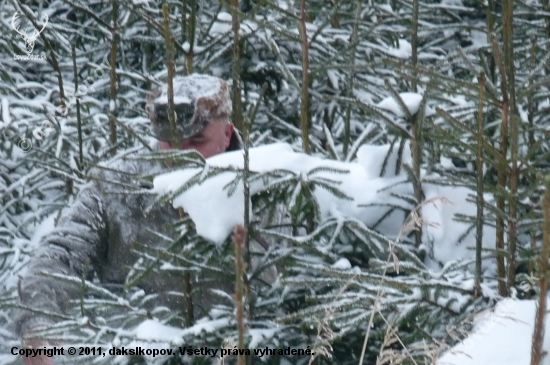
{"x":133,"y":169}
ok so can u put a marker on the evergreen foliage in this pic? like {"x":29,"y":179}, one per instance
{"x":480,"y":84}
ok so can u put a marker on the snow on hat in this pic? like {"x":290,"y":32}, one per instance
{"x":198,"y":100}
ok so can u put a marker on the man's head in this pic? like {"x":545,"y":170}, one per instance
{"x":212,"y":140}
{"x":202,"y":107}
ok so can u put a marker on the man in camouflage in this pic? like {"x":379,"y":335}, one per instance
{"x":96,"y":233}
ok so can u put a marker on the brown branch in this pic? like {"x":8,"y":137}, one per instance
{"x":304,"y":105}
{"x":414,"y":39}
{"x":239,"y":238}
{"x":112,"y":85}
{"x":502,"y":173}
{"x":479,"y":198}
{"x":170,"y":66}
{"x":538,"y":333}
{"x":237,"y":116}
{"x":508,"y":50}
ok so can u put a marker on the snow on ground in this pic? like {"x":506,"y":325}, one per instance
{"x":502,"y":337}
{"x":152,"y":334}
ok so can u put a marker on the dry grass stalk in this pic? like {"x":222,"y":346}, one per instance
{"x":413,"y":222}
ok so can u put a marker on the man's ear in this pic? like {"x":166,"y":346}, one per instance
{"x":229,"y":128}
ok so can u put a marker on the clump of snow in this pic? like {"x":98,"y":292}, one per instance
{"x":6,"y":119}
{"x":151,"y":334}
{"x":450,"y":238}
{"x":372,"y":159}
{"x":138,"y":294}
{"x":459,"y":100}
{"x":411,"y":100}
{"x":342,"y":264}
{"x":220,"y":28}
{"x":333,"y":78}
{"x":479,"y":39}
{"x":45,"y":227}
{"x":259,"y":335}
{"x":446,"y":162}
{"x":224,"y":16}
{"x":386,"y":7}
{"x":452,"y":2}
{"x":501,"y":337}
{"x":151,"y":330}
{"x":362,"y":96}
{"x":186,"y":46}
{"x":370,"y":197}
{"x":403,"y":49}
{"x":216,"y":214}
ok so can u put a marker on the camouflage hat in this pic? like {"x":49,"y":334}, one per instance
{"x":198,"y":100}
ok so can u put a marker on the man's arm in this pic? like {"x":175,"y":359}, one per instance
{"x":75,"y":243}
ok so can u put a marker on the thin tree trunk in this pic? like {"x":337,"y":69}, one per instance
{"x":238,"y":240}
{"x":538,"y":333}
{"x":546,"y":7}
{"x":414,"y":41}
{"x":170,"y":66}
{"x":508,"y":47}
{"x":502,"y":176}
{"x":191,"y":29}
{"x":237,"y":116}
{"x":112,"y":85}
{"x":480,"y":200}
{"x":304,"y":102}
{"x":531,"y":140}
{"x":416,"y":151}
{"x":78,"y":118}
{"x":354,"y":41}
{"x":240,"y":234}
{"x":187,"y":283}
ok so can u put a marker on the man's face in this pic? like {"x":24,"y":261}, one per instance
{"x":212,"y":140}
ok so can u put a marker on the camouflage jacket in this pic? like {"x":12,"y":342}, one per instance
{"x":97,"y":234}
